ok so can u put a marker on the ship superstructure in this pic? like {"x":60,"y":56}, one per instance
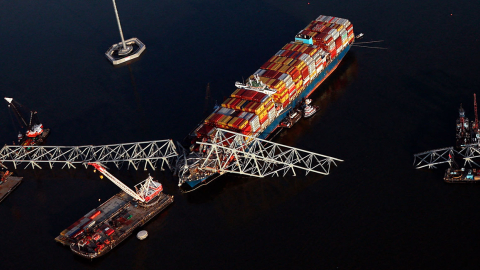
{"x":259,"y":106}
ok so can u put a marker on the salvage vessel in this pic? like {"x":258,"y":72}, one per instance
{"x":31,"y":133}
{"x":106,"y":226}
{"x":265,"y":102}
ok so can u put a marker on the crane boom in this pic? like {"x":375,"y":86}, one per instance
{"x":476,"y":115}
{"x":117,"y":182}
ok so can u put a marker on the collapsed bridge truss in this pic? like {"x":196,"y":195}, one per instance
{"x":445,"y":155}
{"x":237,"y":153}
{"x":148,"y":153}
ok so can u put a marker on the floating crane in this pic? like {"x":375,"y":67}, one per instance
{"x":145,"y":191}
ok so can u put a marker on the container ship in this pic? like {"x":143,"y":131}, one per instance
{"x":106,"y":226}
{"x":35,"y":134}
{"x":269,"y":97}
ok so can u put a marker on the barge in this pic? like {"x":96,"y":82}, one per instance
{"x":8,"y":183}
{"x":462,"y":175}
{"x":106,"y":226}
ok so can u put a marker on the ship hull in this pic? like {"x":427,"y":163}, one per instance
{"x":272,"y":127}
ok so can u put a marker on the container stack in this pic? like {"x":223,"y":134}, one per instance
{"x":245,"y":111}
{"x":291,"y":69}
{"x":330,"y":33}
{"x":288,"y":72}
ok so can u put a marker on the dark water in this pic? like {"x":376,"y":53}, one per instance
{"x":379,"y":108}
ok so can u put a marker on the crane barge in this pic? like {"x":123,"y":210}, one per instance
{"x":106,"y":226}
{"x":34,"y":134}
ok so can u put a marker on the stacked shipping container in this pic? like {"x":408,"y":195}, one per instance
{"x":288,"y":72}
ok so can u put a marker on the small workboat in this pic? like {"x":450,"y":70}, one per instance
{"x":309,"y":110}
{"x":291,"y":119}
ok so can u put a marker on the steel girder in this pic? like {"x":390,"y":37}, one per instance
{"x":237,"y":153}
{"x":132,"y":153}
{"x":444,"y":155}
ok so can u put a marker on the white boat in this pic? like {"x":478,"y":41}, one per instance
{"x":309,"y":110}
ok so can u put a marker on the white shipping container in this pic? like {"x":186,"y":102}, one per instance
{"x":260,"y":72}
{"x":279,"y":52}
{"x":272,"y":114}
{"x":319,"y":69}
{"x":285,"y":78}
{"x":335,"y":34}
{"x":320,"y":18}
{"x":335,"y":20}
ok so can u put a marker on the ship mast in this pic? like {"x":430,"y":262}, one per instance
{"x":126,"y":48}
{"x":476,"y":115}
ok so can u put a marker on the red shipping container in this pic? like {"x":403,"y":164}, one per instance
{"x":248,"y":94}
{"x":279,"y":74}
{"x":291,"y":90}
{"x":338,"y":42}
{"x":215,"y":118}
{"x":239,"y":93}
{"x":204,"y":130}
{"x":234,"y":103}
{"x":333,"y":53}
{"x":247,"y":129}
{"x":287,"y":46}
{"x":264,"y":66}
{"x":350,"y":27}
{"x":305,"y":72}
{"x":109,"y":231}
{"x":285,"y":104}
{"x":265,"y":118}
{"x":258,"y":97}
{"x":94,"y":215}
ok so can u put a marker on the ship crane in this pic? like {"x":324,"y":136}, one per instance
{"x":145,"y":191}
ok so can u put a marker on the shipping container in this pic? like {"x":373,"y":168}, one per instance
{"x":95,"y":214}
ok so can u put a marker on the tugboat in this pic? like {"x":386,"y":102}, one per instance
{"x":291,"y":119}
{"x":35,"y":134}
{"x":309,"y":109}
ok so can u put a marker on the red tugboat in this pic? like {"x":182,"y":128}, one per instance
{"x":35,"y":134}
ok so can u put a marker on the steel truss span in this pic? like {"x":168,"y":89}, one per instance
{"x":444,"y":155}
{"x":134,"y":154}
{"x":237,"y":153}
